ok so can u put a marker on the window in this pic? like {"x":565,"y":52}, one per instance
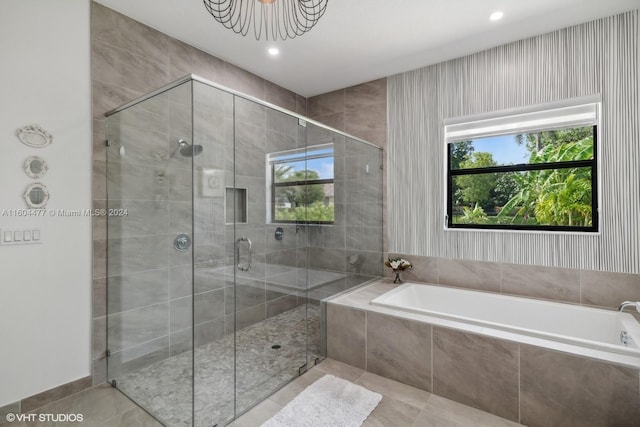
{"x":302,"y":185}
{"x":530,"y":171}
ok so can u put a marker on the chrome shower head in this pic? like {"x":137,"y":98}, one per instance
{"x":186,"y":150}
{"x":191,"y":150}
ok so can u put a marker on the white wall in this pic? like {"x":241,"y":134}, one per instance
{"x":45,"y":290}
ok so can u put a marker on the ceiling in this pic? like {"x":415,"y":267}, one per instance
{"x":362,"y":40}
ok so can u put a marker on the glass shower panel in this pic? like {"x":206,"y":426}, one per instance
{"x":215,"y":203}
{"x":364,"y":209}
{"x":229,"y":225}
{"x":347,"y":252}
{"x":149,"y":255}
{"x":270,"y":291}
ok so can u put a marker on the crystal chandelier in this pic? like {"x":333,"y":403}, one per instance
{"x":276,"y":18}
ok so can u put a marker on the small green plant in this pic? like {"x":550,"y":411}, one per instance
{"x":473,"y":216}
{"x":316,"y":211}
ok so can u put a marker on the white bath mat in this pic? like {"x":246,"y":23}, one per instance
{"x":328,"y":402}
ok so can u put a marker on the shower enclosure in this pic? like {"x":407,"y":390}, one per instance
{"x":230,"y":222}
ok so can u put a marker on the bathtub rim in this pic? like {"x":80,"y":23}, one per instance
{"x":360,"y":299}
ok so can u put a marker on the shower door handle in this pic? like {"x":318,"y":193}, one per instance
{"x":249,"y":246}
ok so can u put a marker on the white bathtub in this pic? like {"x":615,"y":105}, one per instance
{"x":565,"y":323}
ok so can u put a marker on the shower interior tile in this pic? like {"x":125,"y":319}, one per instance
{"x":133,"y":359}
{"x":250,"y":112}
{"x":283,"y":258}
{"x":329,"y":259}
{"x":245,"y":295}
{"x":180,"y":342}
{"x":280,"y":305}
{"x":143,"y":217}
{"x":137,"y":290}
{"x":141,"y":146}
{"x":137,"y":182}
{"x":247,"y":317}
{"x":276,"y":142}
{"x":249,"y":137}
{"x":130,"y":328}
{"x":180,"y":281}
{"x":180,"y":314}
{"x":208,"y":332}
{"x":136,"y":254}
{"x":282,"y":123}
{"x":209,"y":306}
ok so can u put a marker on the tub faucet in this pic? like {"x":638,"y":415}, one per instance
{"x":626,"y":304}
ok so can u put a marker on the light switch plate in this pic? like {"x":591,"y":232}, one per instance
{"x":20,"y":236}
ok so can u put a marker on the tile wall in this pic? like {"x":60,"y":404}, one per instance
{"x":128,"y":60}
{"x":519,"y":382}
{"x":361,"y":111}
{"x":593,"y":288}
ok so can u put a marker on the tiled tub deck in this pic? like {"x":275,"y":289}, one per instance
{"x":526,"y":383}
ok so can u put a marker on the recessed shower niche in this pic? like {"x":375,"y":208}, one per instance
{"x":191,"y":332}
{"x":235,"y":205}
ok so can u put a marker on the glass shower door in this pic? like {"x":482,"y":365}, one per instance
{"x":149,"y":256}
{"x":214,"y":250}
{"x":270,"y":287}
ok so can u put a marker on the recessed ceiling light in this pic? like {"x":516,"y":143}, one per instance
{"x":495,"y":16}
{"x":273,"y":51}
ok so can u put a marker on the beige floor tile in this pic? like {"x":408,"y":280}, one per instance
{"x":294,"y":388}
{"x":428,"y":419}
{"x":395,"y":390}
{"x":391,"y":412}
{"x":402,"y":405}
{"x":135,"y":417}
{"x":447,"y":412}
{"x":257,"y":415}
{"x":339,"y":369}
{"x":97,"y":405}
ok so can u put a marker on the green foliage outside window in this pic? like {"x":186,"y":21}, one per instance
{"x":559,"y":195}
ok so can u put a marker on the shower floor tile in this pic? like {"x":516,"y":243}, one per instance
{"x":164,"y":388}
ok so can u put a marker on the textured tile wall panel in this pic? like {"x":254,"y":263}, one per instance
{"x":596,"y":58}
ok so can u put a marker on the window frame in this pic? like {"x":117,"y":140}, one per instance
{"x":274,"y":185}
{"x":466,"y":131}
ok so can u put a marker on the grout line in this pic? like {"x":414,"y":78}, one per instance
{"x":432,"y":361}
{"x":580,"y":286}
{"x":366,"y":341}
{"x":432,"y":364}
{"x":519,"y":384}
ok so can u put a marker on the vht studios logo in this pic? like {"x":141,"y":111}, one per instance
{"x":55,"y":418}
